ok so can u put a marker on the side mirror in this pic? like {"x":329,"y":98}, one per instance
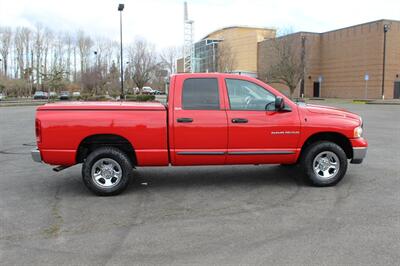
{"x":279,"y":103}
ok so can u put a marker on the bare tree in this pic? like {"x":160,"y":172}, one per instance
{"x":287,"y":67}
{"x":75,"y":67}
{"x":142,"y":62}
{"x":38,"y":49}
{"x":5,"y":41}
{"x":85,"y":43}
{"x":69,"y":48}
{"x":48,"y":39}
{"x":111,"y":51}
{"x":19,"y":48}
{"x":26,"y":37}
{"x":226,"y":59}
{"x":58,"y":51}
{"x":28,"y":52}
{"x":43,"y":59}
{"x":169,"y":56}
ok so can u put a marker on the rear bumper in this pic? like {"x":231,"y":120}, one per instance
{"x":36,"y":155}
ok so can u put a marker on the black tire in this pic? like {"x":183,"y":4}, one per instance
{"x":319,"y":149}
{"x":119,"y":161}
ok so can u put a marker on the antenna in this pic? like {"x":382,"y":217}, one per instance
{"x":187,"y":40}
{"x":186,"y":17}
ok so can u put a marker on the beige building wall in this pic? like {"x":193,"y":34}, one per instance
{"x":343,"y":57}
{"x":243,"y":44}
{"x":179,"y":66}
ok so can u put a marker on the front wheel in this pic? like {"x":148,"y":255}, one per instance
{"x":324,"y":163}
{"x":107,"y":171}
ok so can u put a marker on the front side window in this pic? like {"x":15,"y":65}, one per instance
{"x":245,"y":95}
{"x":200,"y":94}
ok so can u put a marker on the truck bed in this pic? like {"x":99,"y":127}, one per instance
{"x":65,"y":125}
{"x":145,"y":106}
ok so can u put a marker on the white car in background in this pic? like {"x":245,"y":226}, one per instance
{"x":2,"y":96}
{"x":148,"y":90}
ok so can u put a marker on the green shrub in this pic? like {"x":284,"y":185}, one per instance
{"x":140,"y":98}
{"x":90,"y":97}
{"x":97,"y":98}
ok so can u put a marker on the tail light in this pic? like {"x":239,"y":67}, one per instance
{"x":38,"y":131}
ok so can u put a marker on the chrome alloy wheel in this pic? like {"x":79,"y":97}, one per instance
{"x":106,"y":173}
{"x":326,"y":165}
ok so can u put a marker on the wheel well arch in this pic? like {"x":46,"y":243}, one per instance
{"x":334,"y":137}
{"x":92,"y":142}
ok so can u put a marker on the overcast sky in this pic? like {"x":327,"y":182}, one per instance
{"x":161,"y":21}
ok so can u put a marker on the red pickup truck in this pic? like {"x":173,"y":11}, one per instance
{"x":210,"y":119}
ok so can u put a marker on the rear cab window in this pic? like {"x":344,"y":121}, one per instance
{"x":200,"y":94}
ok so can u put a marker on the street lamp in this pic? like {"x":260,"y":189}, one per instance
{"x":303,"y":65}
{"x":386,"y":28}
{"x":96,"y":70}
{"x":120,"y":8}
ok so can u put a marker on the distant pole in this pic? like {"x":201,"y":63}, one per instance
{"x":31,"y":73}
{"x":120,"y":8}
{"x":386,"y":28}
{"x":96,"y":74}
{"x":320,"y":86}
{"x":303,"y":65}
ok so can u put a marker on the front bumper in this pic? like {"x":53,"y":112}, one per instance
{"x":36,"y":155}
{"x":359,"y":154}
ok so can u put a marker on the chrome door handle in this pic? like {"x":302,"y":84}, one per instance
{"x":239,"y":120}
{"x":184,"y":120}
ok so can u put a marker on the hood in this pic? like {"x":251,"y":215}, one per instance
{"x":328,"y":110}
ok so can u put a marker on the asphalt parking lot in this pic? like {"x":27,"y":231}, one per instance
{"x":202,"y":215}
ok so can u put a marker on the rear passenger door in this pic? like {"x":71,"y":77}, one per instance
{"x":200,"y":134}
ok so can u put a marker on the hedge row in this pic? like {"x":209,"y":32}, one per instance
{"x":134,"y":98}
{"x":140,"y":98}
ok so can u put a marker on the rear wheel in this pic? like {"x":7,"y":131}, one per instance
{"x":324,"y":163}
{"x":107,"y":171}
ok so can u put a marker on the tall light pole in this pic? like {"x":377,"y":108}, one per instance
{"x":303,"y":65}
{"x":120,"y":8}
{"x":96,"y":74}
{"x":386,"y":28}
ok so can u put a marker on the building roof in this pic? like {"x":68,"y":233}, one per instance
{"x":363,"y":24}
{"x":237,"y":26}
{"x":344,"y":28}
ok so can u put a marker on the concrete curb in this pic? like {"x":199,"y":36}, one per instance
{"x":384,"y":102}
{"x":14,"y":104}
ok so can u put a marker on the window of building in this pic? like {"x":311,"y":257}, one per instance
{"x":205,"y":54}
{"x":245,"y":95}
{"x":200,"y":94}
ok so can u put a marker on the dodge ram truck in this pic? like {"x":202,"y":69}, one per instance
{"x":209,"y":119}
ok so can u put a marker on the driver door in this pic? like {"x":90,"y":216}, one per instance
{"x":257,"y":134}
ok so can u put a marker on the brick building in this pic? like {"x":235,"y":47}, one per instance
{"x":344,"y":63}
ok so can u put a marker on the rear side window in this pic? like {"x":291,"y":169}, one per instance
{"x":200,"y":94}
